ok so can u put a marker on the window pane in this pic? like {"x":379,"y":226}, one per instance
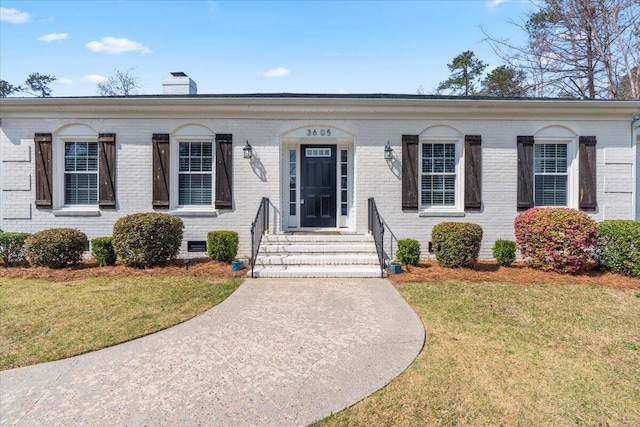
{"x":551,"y":190}
{"x":194,"y":189}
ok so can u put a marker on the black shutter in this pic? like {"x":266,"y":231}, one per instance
{"x":525,"y":172}
{"x":224,"y":171}
{"x":472,"y":172}
{"x":161,"y":172}
{"x":587,"y":173}
{"x":44,"y":170}
{"x":107,"y":170}
{"x":410,"y":172}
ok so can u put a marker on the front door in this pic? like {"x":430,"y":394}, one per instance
{"x":318,"y":186}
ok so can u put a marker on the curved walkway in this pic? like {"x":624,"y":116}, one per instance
{"x":276,"y":352}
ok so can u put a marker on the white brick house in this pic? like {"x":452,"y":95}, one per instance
{"x":318,"y":158}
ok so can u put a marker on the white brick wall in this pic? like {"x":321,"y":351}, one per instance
{"x":261,"y":176}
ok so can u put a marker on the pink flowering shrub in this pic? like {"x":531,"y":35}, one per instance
{"x":556,"y":239}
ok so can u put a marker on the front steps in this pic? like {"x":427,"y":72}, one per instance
{"x":317,"y":255}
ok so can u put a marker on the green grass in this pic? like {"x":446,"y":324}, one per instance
{"x":42,"y":321}
{"x":498,"y":354}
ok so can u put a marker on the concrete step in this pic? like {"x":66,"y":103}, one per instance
{"x":318,"y":259}
{"x":317,"y":238}
{"x":300,"y":271}
{"x":274,"y":248}
{"x":317,"y":255}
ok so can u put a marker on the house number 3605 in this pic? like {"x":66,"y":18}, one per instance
{"x":318,"y":132}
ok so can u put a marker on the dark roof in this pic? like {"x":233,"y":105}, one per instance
{"x":331,"y":96}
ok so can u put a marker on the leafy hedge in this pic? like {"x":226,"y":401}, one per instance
{"x":147,"y":239}
{"x":408,"y":251}
{"x":12,"y":247}
{"x":222,"y":245}
{"x":102,"y":251}
{"x":56,"y":247}
{"x":618,"y":246}
{"x":456,"y":244}
{"x":504,"y":251}
{"x":556,"y":239}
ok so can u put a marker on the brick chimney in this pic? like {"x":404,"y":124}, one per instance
{"x":179,"y":84}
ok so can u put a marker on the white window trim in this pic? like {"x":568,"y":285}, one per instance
{"x":458,"y":207}
{"x":60,"y":209}
{"x":572,"y":170}
{"x":190,"y":210}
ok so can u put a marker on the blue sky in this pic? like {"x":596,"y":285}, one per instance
{"x":250,"y":46}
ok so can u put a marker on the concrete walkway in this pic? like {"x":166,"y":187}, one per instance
{"x":276,"y":352}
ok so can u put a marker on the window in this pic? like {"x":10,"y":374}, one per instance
{"x":80,"y":173}
{"x":344,"y":179}
{"x":292,"y":182}
{"x":195,"y":174}
{"x":438,"y":175}
{"x":550,"y":174}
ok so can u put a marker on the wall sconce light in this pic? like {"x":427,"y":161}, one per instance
{"x":388,"y":152}
{"x":247,"y":152}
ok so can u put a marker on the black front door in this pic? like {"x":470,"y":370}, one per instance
{"x":318,"y":186}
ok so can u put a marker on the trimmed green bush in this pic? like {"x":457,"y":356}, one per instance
{"x":456,"y":244}
{"x":222,"y":245}
{"x":102,"y":251}
{"x":504,"y":251}
{"x":408,"y":251}
{"x":12,"y":247}
{"x":556,"y":239}
{"x":618,"y":246}
{"x":56,"y":247}
{"x":147,"y":239}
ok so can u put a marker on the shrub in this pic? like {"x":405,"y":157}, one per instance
{"x":556,"y":239}
{"x":56,"y":247}
{"x":504,"y":251}
{"x":408,"y":251}
{"x":12,"y":247}
{"x":147,"y":239}
{"x":618,"y":246}
{"x":102,"y":251}
{"x":222,"y":245}
{"x":456,"y":244}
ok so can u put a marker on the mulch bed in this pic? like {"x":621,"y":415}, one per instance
{"x":518,"y":273}
{"x":89,"y":268}
{"x":425,"y":271}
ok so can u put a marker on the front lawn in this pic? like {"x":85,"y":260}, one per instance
{"x":41,"y":320}
{"x":507,"y":354}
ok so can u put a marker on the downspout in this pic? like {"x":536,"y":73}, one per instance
{"x":635,"y":147}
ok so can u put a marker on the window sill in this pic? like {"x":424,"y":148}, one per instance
{"x":77,"y":211}
{"x":194,"y":212}
{"x":441,"y":214}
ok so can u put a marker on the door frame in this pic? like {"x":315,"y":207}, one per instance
{"x":294,"y":140}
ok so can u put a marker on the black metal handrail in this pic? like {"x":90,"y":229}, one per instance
{"x":258,"y":227}
{"x":376,"y":228}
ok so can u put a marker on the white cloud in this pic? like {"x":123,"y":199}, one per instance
{"x":492,"y":4}
{"x":95,"y":78}
{"x":342,"y":92}
{"x":53,"y":37}
{"x":65,"y":81}
{"x":14,"y":16}
{"x":276,"y":72}
{"x":115,"y":46}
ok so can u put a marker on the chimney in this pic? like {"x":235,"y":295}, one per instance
{"x":179,"y":84}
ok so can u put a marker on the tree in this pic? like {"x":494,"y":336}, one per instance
{"x":7,"y":88}
{"x":578,"y":47}
{"x":465,"y":69}
{"x":505,"y":81}
{"x":38,"y":84}
{"x":120,"y":84}
{"x":625,"y":89}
